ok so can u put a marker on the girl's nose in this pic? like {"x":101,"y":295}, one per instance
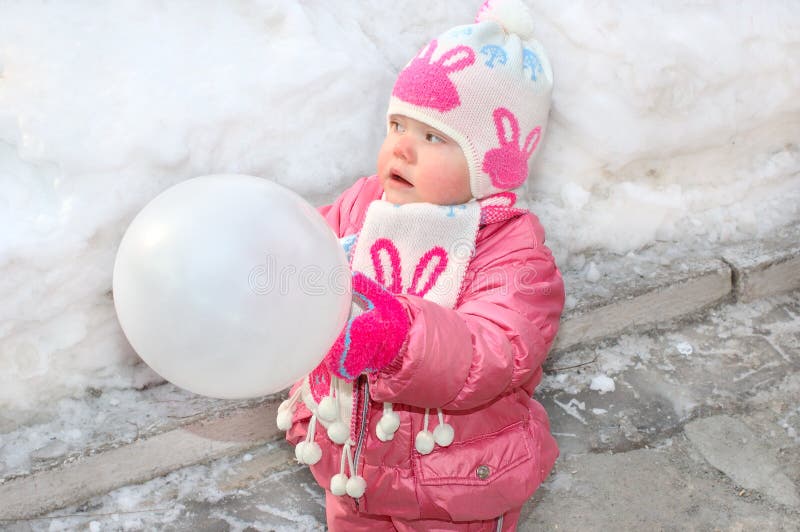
{"x":404,"y":148}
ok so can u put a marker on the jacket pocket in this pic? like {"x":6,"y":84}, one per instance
{"x":480,"y":478}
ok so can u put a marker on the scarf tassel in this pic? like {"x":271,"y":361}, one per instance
{"x":341,"y":484}
{"x":442,"y":435}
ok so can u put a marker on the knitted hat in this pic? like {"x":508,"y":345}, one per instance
{"x":487,"y":86}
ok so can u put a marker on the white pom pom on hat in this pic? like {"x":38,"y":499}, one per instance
{"x":511,"y":15}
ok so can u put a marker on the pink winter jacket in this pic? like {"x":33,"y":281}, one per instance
{"x":479,"y":362}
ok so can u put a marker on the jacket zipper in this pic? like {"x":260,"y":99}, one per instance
{"x":362,"y":430}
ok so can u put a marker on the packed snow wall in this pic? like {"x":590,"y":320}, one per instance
{"x":676,"y":122}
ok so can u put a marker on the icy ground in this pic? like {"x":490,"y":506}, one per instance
{"x":622,"y":404}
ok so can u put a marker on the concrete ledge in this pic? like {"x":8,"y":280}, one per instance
{"x":662,"y":304}
{"x":639,"y":290}
{"x":766,"y":267}
{"x":112,"y":418}
{"x":138,"y":462}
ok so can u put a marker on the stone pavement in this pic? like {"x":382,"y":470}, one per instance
{"x":692,"y":426}
{"x":701,"y":430}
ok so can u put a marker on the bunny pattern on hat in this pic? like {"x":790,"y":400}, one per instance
{"x":487,"y":86}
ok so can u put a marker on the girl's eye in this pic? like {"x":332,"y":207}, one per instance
{"x":397,"y":126}
{"x":430,"y":137}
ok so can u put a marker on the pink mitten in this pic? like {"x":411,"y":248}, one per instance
{"x":371,"y":340}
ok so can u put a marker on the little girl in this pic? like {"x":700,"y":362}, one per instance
{"x":421,"y":416}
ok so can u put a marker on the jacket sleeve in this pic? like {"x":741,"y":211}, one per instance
{"x":338,"y":214}
{"x":494,"y":341}
{"x":333,"y":214}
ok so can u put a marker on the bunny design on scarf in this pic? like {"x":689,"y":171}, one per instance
{"x":387,"y":246}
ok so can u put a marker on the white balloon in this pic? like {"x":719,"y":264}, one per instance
{"x":231,"y":286}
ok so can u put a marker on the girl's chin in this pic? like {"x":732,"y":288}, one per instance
{"x":397,"y":197}
{"x":398,"y":193}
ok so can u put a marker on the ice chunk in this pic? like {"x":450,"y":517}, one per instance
{"x":602,"y":383}
{"x":684,"y":348}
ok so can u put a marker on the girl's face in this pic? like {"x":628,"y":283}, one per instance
{"x":418,"y":163}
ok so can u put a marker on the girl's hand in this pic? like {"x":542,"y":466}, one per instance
{"x":373,"y":338}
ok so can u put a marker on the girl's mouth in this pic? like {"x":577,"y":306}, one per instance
{"x":399,"y":180}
